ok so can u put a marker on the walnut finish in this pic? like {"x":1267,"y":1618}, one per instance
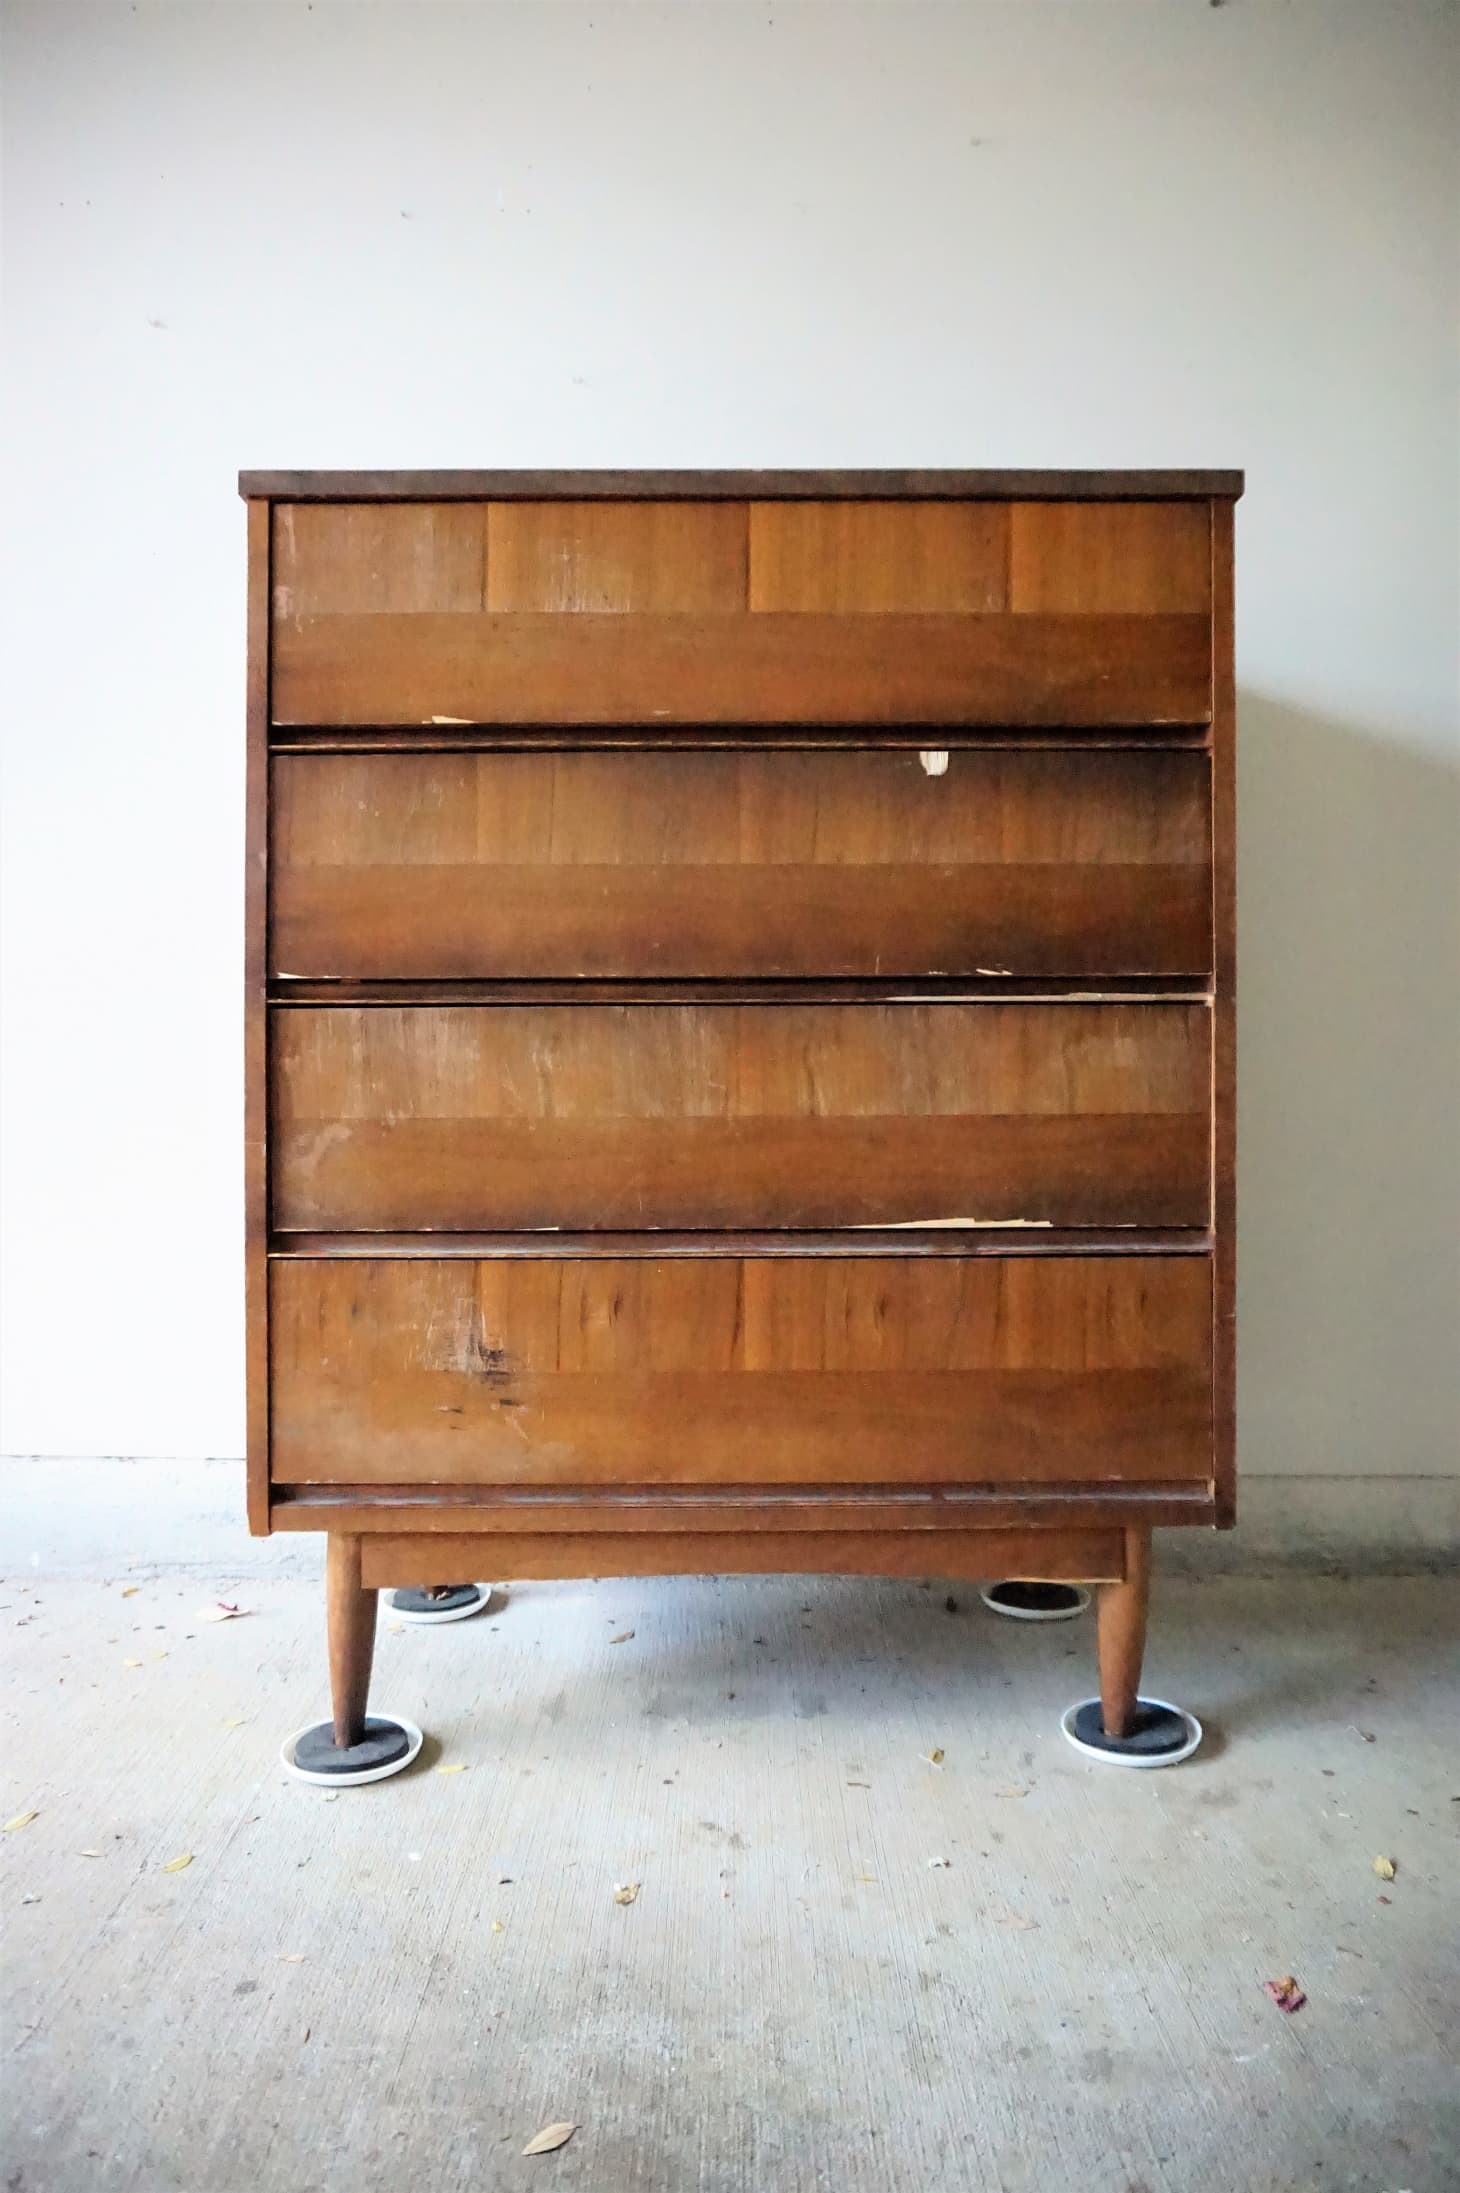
{"x":690,"y":1127}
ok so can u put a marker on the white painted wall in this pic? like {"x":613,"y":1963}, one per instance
{"x":1099,"y":234}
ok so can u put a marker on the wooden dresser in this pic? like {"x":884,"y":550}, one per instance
{"x":740,"y":1027}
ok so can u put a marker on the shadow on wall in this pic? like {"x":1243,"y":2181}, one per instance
{"x":1348,"y":1098}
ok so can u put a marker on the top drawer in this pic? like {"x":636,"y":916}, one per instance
{"x":652,"y":614}
{"x":770,"y":864}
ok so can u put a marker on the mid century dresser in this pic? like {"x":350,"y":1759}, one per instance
{"x":740,"y":1030}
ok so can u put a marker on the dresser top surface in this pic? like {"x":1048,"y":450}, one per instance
{"x":1149,"y":486}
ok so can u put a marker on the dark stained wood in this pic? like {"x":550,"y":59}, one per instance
{"x":882,"y":1370}
{"x":1110,"y":559}
{"x":786,"y":864}
{"x":350,"y":1618}
{"x":605,"y":669}
{"x":838,"y":557}
{"x":256,"y":1025}
{"x":863,"y":1241}
{"x":740,"y":1116}
{"x":1051,"y":1555}
{"x":651,"y":558}
{"x":408,"y":1510}
{"x":1224,"y":1015}
{"x":1120,"y":1625}
{"x":707,"y":486}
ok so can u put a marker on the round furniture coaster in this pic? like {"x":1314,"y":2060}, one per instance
{"x":1035,"y":1602}
{"x":1161,"y":1735}
{"x":388,"y":1746}
{"x":411,"y":1604}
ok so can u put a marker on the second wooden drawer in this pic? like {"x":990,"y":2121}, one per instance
{"x":631,"y":1117}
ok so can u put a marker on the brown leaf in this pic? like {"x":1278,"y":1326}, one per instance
{"x":1285,"y":1992}
{"x":551,"y":2137}
{"x":624,"y":1892}
{"x":1385,"y":1868}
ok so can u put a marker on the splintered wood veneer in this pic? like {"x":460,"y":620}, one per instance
{"x":740,"y":1034}
{"x":734,"y":1371}
{"x":779,"y":864}
{"x":606,"y":613}
{"x":740,"y":1116}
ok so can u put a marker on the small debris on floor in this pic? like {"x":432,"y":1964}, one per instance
{"x":1012,"y":1791}
{"x":624,"y":1892}
{"x":291,"y":1957}
{"x":21,"y":1820}
{"x":131,"y":1663}
{"x":1385,"y":1868}
{"x":1285,"y":1992}
{"x":497,"y":1927}
{"x":551,"y":2137}
{"x":621,"y":1639}
{"x":1366,"y":1734}
{"x":935,"y":1757}
{"x":175,"y":1865}
{"x":1016,"y":1920}
{"x":88,"y":1853}
{"x":934,"y":1862}
{"x":859,"y":1785}
{"x":452,"y":1766}
{"x":130,"y":1590}
{"x":950,"y":1605}
{"x":222,"y":1610}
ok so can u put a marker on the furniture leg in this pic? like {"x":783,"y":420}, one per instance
{"x":353,"y":1745}
{"x":1120,"y":1635}
{"x":1121,"y":1727}
{"x":350,"y":1615}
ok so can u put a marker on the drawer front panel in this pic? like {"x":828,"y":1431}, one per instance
{"x":657,"y":614}
{"x":770,"y":864}
{"x":731,"y":1371}
{"x":738,"y":1116}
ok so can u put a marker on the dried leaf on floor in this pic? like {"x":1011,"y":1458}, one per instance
{"x":291,"y":1957}
{"x":551,"y":2137}
{"x":934,"y":1757}
{"x":21,"y":1820}
{"x":452,"y":1766}
{"x":1385,"y":1868}
{"x":624,"y":1892}
{"x":497,"y":1927}
{"x":222,"y":1610}
{"x":865,"y":1880}
{"x":130,"y":1590}
{"x":237,"y":1722}
{"x":621,"y":1639}
{"x":88,"y":1853}
{"x":1285,"y":1992}
{"x":131,"y":1663}
{"x":175,"y":1865}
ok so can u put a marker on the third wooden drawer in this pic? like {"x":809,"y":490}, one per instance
{"x":740,"y":1116}
{"x":789,"y":863}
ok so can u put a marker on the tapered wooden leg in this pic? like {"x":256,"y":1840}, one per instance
{"x":1120,"y":1629}
{"x":350,"y":1610}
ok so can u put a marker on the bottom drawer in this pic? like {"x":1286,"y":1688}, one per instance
{"x":831,"y":1370}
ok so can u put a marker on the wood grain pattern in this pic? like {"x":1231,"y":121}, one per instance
{"x":616,"y":558}
{"x":1108,"y":559}
{"x":715,"y":1116}
{"x":522,"y":865}
{"x":609,"y":670}
{"x":876,"y":557}
{"x":735,"y":1371}
{"x":370,"y":558}
{"x":1080,"y":1556}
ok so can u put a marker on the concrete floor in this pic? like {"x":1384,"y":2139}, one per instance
{"x":396,"y":1987}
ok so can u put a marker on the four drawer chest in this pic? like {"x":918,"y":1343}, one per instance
{"x":740,"y":1041}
